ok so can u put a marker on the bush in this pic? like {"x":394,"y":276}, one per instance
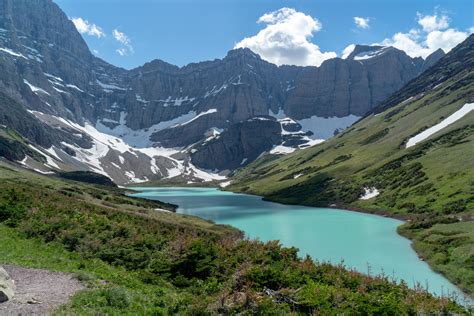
{"x":116,"y":297}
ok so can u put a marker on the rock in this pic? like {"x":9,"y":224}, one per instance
{"x":240,"y":144}
{"x":7,"y":286}
{"x":34,"y":301}
{"x":70,"y":82}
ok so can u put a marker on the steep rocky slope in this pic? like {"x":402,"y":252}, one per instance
{"x":411,"y":157}
{"x":159,"y":120}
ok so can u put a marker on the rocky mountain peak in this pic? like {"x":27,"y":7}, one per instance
{"x":44,"y":23}
{"x":360,"y":49}
{"x":433,"y":58}
{"x":242,"y":53}
{"x":157,"y":65}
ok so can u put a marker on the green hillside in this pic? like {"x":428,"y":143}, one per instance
{"x":431,"y":183}
{"x":137,"y":261}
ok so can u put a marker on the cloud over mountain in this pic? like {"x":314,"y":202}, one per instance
{"x":434,"y":32}
{"x":286,"y":39}
{"x":123,"y":39}
{"x":84,"y":27}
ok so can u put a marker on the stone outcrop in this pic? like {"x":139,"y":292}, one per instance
{"x":240,"y":144}
{"x":7,"y":286}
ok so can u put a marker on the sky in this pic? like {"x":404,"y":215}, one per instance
{"x":129,"y":33}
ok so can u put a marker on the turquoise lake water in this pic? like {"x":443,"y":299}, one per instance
{"x":367,"y":243}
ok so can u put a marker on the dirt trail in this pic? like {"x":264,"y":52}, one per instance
{"x":38,"y":291}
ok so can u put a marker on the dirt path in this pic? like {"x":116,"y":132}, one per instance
{"x":38,"y":291}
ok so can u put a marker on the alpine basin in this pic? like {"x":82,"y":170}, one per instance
{"x":367,"y":243}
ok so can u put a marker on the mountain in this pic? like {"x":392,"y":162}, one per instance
{"x":160,"y":121}
{"x":411,"y":157}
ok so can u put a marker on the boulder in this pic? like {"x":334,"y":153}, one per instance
{"x":7,"y":286}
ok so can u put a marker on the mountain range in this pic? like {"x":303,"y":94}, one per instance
{"x":410,"y":157}
{"x":194,"y":123}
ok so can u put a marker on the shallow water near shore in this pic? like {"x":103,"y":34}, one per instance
{"x":365,"y":242}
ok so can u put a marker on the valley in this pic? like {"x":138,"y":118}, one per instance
{"x":125,"y":252}
{"x":240,"y":185}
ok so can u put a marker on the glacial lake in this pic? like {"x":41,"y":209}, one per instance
{"x":362,"y":241}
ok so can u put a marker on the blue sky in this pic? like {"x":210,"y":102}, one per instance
{"x":184,"y":31}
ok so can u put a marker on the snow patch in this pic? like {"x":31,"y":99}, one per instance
{"x":34,"y":89}
{"x":53,"y":77}
{"x":280,"y":115}
{"x":225,"y":184}
{"x":140,"y":99}
{"x":369,"y":193}
{"x":468,"y":107}
{"x":369,"y":55}
{"x":10,"y":52}
{"x":107,"y":87}
{"x":210,"y":111}
{"x":74,"y":87}
{"x":215,"y":91}
{"x":323,"y":128}
{"x":141,"y":138}
{"x":282,"y":150}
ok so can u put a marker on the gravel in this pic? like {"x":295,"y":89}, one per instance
{"x":38,"y":292}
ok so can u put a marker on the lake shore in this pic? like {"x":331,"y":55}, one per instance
{"x":193,"y":199}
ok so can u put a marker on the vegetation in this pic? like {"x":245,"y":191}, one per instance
{"x":88,"y":177}
{"x":135,"y":260}
{"x":431,"y":184}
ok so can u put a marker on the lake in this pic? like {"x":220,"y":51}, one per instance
{"x":365,"y":242}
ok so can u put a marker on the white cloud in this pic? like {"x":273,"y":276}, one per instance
{"x":347,"y":51}
{"x":286,"y":39}
{"x":362,"y":23}
{"x":123,"y":39}
{"x":431,"y":23}
{"x":434,"y":34}
{"x":84,"y":27}
{"x":121,"y":51}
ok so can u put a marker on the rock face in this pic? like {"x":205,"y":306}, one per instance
{"x":240,"y":144}
{"x":145,"y":123}
{"x":7,"y":286}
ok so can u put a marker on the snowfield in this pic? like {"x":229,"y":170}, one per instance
{"x":468,"y":107}
{"x":369,"y":55}
{"x":104,"y":146}
{"x":369,"y":193}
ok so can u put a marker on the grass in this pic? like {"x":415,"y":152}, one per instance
{"x":138,"y":261}
{"x":430,"y":182}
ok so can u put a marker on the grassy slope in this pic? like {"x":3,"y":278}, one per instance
{"x":138,"y":261}
{"x":431,"y":183}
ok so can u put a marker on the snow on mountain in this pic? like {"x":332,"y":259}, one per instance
{"x":370,"y":54}
{"x":141,"y":138}
{"x":320,"y":127}
{"x":324,"y":128}
{"x":196,"y":117}
{"x":468,"y":107}
{"x":11,"y":52}
{"x":34,"y":89}
{"x":100,"y":157}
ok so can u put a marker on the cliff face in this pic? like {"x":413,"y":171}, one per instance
{"x":46,"y":66}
